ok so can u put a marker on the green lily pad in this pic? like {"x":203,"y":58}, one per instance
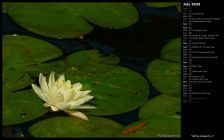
{"x":165,"y":76}
{"x":164,"y":4}
{"x":116,"y":90}
{"x":179,"y":8}
{"x":15,"y":80}
{"x":25,"y":57}
{"x":161,"y":105}
{"x":69,"y":20}
{"x":172,"y":51}
{"x":165,"y":73}
{"x":96,"y":127}
{"x":157,"y":127}
{"x":85,"y":61}
{"x":21,"y":106}
{"x":3,"y":7}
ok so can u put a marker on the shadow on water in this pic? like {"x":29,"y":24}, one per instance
{"x":136,"y":46}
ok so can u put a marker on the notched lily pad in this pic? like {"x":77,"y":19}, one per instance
{"x":161,"y":105}
{"x":91,"y":61}
{"x":96,"y":127}
{"x":172,"y":51}
{"x":156,"y":127}
{"x":116,"y":89}
{"x":23,"y":50}
{"x":69,"y":20}
{"x":14,"y":80}
{"x":25,"y":57}
{"x":165,"y":76}
{"x":21,"y":106}
{"x":165,"y":73}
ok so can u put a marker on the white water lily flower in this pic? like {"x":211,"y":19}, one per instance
{"x":62,"y":95}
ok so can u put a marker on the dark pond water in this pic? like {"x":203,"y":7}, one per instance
{"x":136,"y":46}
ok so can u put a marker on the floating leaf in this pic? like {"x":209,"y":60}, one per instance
{"x":85,"y":61}
{"x":155,"y":127}
{"x":69,"y":20}
{"x":24,"y":57}
{"x":161,"y":105}
{"x":71,"y":127}
{"x":15,"y":80}
{"x":21,"y":106}
{"x":179,"y":8}
{"x":165,"y":73}
{"x":164,"y":4}
{"x":165,"y":76}
{"x":172,"y":51}
{"x":3,"y":7}
{"x":116,"y":89}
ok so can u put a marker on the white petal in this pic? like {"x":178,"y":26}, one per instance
{"x":84,"y":93}
{"x":54,"y":89}
{"x":51,"y":81}
{"x":61,"y":80}
{"x":81,"y":94}
{"x":46,"y":105}
{"x":54,"y":108}
{"x":56,"y":97}
{"x":43,"y":84}
{"x":68,"y":95}
{"x":79,"y":102}
{"x":62,"y":105}
{"x":77,"y":114}
{"x":77,"y":86}
{"x":77,"y":95}
{"x":85,"y":107}
{"x":39,"y":92}
{"x":68,"y":84}
{"x":87,"y":98}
